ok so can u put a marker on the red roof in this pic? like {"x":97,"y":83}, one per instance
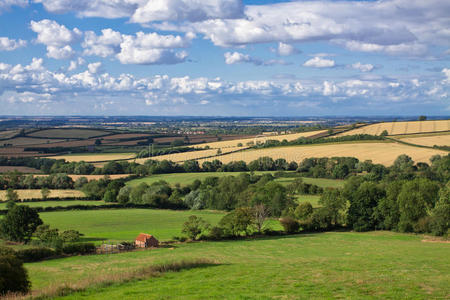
{"x":142,"y":237}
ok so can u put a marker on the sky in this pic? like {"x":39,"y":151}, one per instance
{"x":225,"y":57}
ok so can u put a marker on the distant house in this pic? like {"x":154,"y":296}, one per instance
{"x":146,"y":240}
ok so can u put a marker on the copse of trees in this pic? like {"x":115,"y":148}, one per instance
{"x":16,"y":180}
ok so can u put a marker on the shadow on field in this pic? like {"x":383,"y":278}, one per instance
{"x":92,"y":239}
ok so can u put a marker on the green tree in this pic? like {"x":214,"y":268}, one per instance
{"x":384,"y":133}
{"x":238,"y":222}
{"x":194,"y":227}
{"x":45,"y":192}
{"x":13,"y":275}
{"x":333,"y":200}
{"x":363,"y":202}
{"x":303,"y":211}
{"x":11,"y":195}
{"x":19,"y":223}
{"x":422,"y":118}
{"x":440,"y":222}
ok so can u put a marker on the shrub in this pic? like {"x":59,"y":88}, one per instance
{"x":80,"y":248}
{"x":6,"y":251}
{"x":290,"y":225}
{"x":216,"y":233}
{"x":13,"y":276}
{"x":35,"y":254}
{"x":70,"y":236}
{"x":194,"y":227}
{"x":303,"y":210}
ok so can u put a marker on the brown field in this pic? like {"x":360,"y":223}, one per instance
{"x":29,"y":194}
{"x":26,"y":141}
{"x":439,"y":140}
{"x":17,"y":152}
{"x":397,"y":128}
{"x":259,"y":139}
{"x":124,"y":143}
{"x":382,"y":153}
{"x":94,"y":157}
{"x":78,"y":143}
{"x":181,"y":157}
{"x":25,"y":170}
{"x":69,"y":133}
{"x":199,"y":138}
{"x":7,"y":134}
{"x":122,"y":136}
{"x":93,"y":177}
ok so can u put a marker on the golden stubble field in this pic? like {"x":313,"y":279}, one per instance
{"x":382,"y":153}
{"x":94,"y":157}
{"x":259,"y":139}
{"x":396,"y":128}
{"x":30,"y":194}
{"x":438,"y":140}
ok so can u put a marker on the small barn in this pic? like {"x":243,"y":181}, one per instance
{"x":144,"y":240}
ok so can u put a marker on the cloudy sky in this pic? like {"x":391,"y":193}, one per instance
{"x":224,"y":57}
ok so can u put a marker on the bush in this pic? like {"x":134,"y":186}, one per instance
{"x":290,"y":225}
{"x":35,"y":254}
{"x":194,"y":227}
{"x":13,"y":276}
{"x":303,"y":210}
{"x":80,"y":248}
{"x":70,"y":236}
{"x":216,"y":233}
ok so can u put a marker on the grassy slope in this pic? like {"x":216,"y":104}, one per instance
{"x":187,"y":178}
{"x":125,"y":224}
{"x":346,"y":265}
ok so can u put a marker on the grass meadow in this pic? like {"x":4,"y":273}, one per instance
{"x":57,"y":203}
{"x":188,"y":178}
{"x":125,"y":224}
{"x":346,"y":265}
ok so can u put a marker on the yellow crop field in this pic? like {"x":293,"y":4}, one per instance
{"x":94,"y":157}
{"x":439,"y":140}
{"x":259,"y":139}
{"x":382,"y":153}
{"x":181,"y":157}
{"x":29,"y":194}
{"x":396,"y":128}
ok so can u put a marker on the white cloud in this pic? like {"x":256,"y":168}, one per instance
{"x":56,"y":37}
{"x":446,"y":72}
{"x":104,"y":45}
{"x":237,"y":57}
{"x":74,"y":64}
{"x":187,"y":10}
{"x":362,"y":67}
{"x":7,"y":44}
{"x":318,"y":62}
{"x":94,"y":67}
{"x":6,"y":4}
{"x":286,"y":49}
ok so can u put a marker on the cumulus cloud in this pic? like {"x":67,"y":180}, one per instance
{"x":142,"y":48}
{"x":7,"y":44}
{"x":446,"y":72}
{"x":286,"y":49}
{"x":74,"y":64}
{"x":318,"y":62}
{"x":237,"y":57}
{"x":362,"y":67}
{"x":94,"y":68}
{"x":6,"y":4}
{"x":56,"y":37}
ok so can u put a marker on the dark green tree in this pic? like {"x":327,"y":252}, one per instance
{"x":194,"y":227}
{"x":20,"y":223}
{"x":13,"y":275}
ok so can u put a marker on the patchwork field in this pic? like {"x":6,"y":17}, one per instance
{"x":396,"y":128}
{"x":125,"y":224}
{"x":434,"y":140}
{"x":342,"y":265}
{"x":28,"y":141}
{"x":6,"y":134}
{"x":94,"y":157}
{"x":188,"y":178}
{"x":26,"y":170}
{"x":181,"y":157}
{"x":68,"y":133}
{"x":260,"y":139}
{"x":30,"y":194}
{"x":382,"y":153}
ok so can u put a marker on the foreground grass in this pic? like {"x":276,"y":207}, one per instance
{"x":125,"y":224}
{"x":188,"y":178}
{"x":374,"y":265}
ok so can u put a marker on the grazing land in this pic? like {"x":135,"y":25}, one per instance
{"x":94,"y":157}
{"x":375,"y":265}
{"x":381,"y":153}
{"x":125,"y":224}
{"x":35,"y":194}
{"x":398,"y":128}
{"x":69,"y":133}
{"x":188,"y":178}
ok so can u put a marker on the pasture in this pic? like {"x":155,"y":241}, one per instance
{"x":125,"y":224}
{"x":34,"y":194}
{"x":398,"y":128}
{"x":68,"y":133}
{"x":188,"y":178}
{"x":345,"y":265}
{"x":381,"y":153}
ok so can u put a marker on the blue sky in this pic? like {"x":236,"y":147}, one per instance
{"x":224,"y":57}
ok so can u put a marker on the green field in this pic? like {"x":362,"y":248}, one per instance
{"x":188,"y":178}
{"x":57,"y":203}
{"x":313,"y":199}
{"x":125,"y":224}
{"x":345,"y":265}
